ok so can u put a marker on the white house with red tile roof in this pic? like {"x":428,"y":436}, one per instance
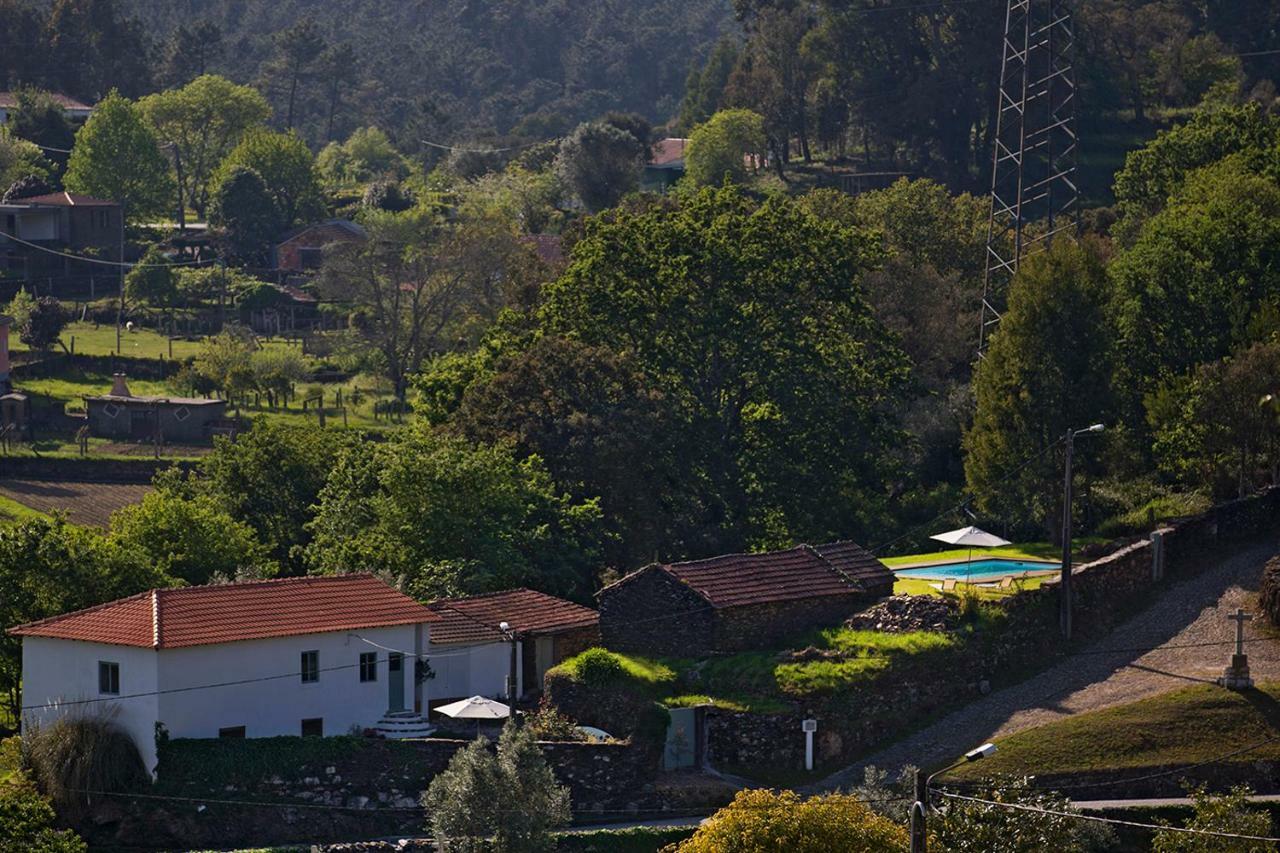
{"x":296,"y":656}
{"x":73,"y":109}
{"x":470,"y":654}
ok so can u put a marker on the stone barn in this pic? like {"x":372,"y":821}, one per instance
{"x":739,"y":601}
{"x":121,"y":415}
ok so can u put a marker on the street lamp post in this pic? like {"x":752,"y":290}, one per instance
{"x":1065,"y":586}
{"x":510,"y":634}
{"x":920,"y":808}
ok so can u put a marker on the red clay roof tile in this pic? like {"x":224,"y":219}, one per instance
{"x":203,"y":615}
{"x":476,"y":619}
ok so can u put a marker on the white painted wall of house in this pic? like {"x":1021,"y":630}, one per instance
{"x":56,"y":671}
{"x":68,"y":669}
{"x":464,"y":671}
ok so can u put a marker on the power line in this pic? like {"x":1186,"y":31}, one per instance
{"x":1098,"y":819}
{"x":101,"y":261}
{"x":461,"y":150}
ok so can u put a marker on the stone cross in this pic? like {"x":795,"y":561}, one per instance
{"x":1240,"y":617}
{"x":1236,"y":676}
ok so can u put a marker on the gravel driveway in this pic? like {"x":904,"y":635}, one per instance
{"x":1189,"y":612}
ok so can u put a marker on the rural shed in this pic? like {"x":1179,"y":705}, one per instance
{"x":738,"y":601}
{"x":119,"y":414}
{"x":473,"y":656}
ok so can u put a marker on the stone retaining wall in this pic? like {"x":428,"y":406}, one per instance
{"x":139,"y":471}
{"x":353,"y":789}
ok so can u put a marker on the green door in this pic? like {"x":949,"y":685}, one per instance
{"x":395,"y":680}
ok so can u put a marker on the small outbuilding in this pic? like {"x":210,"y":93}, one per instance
{"x":471,"y":653}
{"x":739,"y":601}
{"x":121,"y":415}
{"x":302,"y":249}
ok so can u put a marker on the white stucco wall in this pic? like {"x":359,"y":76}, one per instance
{"x":270,"y":700}
{"x":67,"y":671}
{"x":463,"y":671}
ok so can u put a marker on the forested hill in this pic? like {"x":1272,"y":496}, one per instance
{"x":457,"y":68}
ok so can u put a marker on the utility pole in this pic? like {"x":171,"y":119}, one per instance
{"x":120,"y":305}
{"x":1064,"y":617}
{"x":920,"y":808}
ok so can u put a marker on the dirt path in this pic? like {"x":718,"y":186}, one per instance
{"x":89,"y":504}
{"x":1108,"y":672}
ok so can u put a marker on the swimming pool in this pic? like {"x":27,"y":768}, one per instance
{"x":978,"y":571}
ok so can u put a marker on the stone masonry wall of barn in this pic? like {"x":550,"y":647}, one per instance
{"x":651,"y":613}
{"x":762,"y":626}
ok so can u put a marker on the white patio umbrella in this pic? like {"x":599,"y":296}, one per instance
{"x":970,"y":537}
{"x":476,"y":708}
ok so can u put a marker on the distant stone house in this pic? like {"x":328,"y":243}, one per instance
{"x":301,"y":250}
{"x":42,"y":226}
{"x":738,"y":601}
{"x":470,"y":654}
{"x":120,"y":415}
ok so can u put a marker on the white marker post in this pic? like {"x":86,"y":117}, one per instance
{"x":808,"y":727}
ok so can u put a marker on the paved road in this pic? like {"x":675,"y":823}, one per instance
{"x":1189,"y":612}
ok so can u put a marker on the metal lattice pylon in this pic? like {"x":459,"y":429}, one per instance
{"x":1033,"y":180}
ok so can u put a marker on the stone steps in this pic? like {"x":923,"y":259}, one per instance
{"x":400,"y":725}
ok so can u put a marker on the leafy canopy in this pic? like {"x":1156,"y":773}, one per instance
{"x":117,"y":157}
{"x":762,"y":821}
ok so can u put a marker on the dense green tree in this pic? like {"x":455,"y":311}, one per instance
{"x":191,"y":538}
{"x":204,"y":121}
{"x":49,"y":567}
{"x":117,"y":157}
{"x":1197,"y":273}
{"x":1047,"y":370}
{"x":600,"y":164}
{"x":246,"y":211}
{"x":39,"y":320}
{"x":21,"y":62}
{"x":1153,"y":173}
{"x":750,"y":317}
{"x":1224,"y":814}
{"x":298,"y":47}
{"x":448,"y":518}
{"x":40,"y":119}
{"x":269,"y":478}
{"x":636,"y":125}
{"x":367,"y":154}
{"x":704,"y":88}
{"x":190,"y":51}
{"x":19,"y":159}
{"x":93,"y":49}
{"x":339,"y":70}
{"x":602,"y":430}
{"x":287,"y":169}
{"x":508,"y":801}
{"x":718,"y":149}
{"x":1216,"y":429}
{"x":758,"y":821}
{"x":153,"y":281}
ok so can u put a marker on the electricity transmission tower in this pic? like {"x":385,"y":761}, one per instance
{"x":1033,"y":175}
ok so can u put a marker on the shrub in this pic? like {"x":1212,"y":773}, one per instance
{"x":26,"y":823}
{"x":509,"y":801}
{"x":549,"y":724}
{"x":1229,"y":812}
{"x":597,"y":667}
{"x":763,"y":821}
{"x":982,"y":828}
{"x":82,"y":753}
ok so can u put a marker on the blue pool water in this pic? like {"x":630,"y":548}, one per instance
{"x":978,"y":571}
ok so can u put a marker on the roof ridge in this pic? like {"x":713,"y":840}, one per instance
{"x":852,"y":581}
{"x":155,"y":618}
{"x":137,"y":596}
{"x":734,"y":554}
{"x":480,"y":595}
{"x":274,"y":581}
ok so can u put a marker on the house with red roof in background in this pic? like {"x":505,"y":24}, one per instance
{"x":306,"y":656}
{"x":75,"y":111}
{"x":34,"y":231}
{"x":471,"y":653}
{"x":739,"y":601}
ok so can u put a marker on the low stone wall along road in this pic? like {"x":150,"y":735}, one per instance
{"x":1187,"y":615}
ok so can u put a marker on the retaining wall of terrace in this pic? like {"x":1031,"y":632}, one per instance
{"x":1105,"y":591}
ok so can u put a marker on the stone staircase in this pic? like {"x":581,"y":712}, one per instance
{"x":398,"y":725}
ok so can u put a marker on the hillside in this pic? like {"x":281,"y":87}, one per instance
{"x":459,"y":68}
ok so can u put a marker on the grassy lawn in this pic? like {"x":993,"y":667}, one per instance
{"x":920,"y":586}
{"x":10,"y":512}
{"x":9,"y":761}
{"x":765,"y":682}
{"x":100,"y":339}
{"x":1023,"y":551}
{"x":1182,"y":727}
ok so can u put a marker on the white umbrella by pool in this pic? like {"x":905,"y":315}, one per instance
{"x":476,"y":708}
{"x":971,"y":537}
